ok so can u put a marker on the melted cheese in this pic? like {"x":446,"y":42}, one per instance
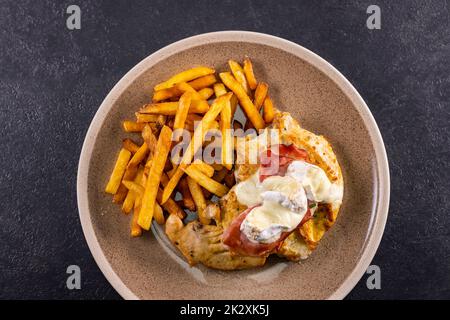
{"x":283,"y":201}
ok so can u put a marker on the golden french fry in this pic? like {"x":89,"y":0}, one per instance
{"x":183,"y":109}
{"x":217,"y":166}
{"x":194,"y":117}
{"x":206,"y":182}
{"x":130,"y":199}
{"x":131,"y":126}
{"x":198,"y":84}
{"x":164,"y":179}
{"x":175,"y":175}
{"x":195,"y":143}
{"x":227,"y":142}
{"x":139,"y":156}
{"x":245,"y":102}
{"x":203,"y":82}
{"x":184,"y":76}
{"x":166,"y":94}
{"x":206,"y":93}
{"x":118,"y":171}
{"x":149,"y":139}
{"x":203,"y":167}
{"x":171,"y":206}
{"x":136,"y":230}
{"x":249,"y":75}
{"x":142,"y":117}
{"x":199,"y":199}
{"x":130,"y":173}
{"x":233,"y":102}
{"x":268,"y":110}
{"x":170,"y":108}
{"x":130,"y":145}
{"x":188,"y":201}
{"x":260,"y":94}
{"x":134,"y":186}
{"x":184,"y":87}
{"x":219,"y":89}
{"x":154,"y":178}
{"x":239,"y":75}
{"x":159,"y":215}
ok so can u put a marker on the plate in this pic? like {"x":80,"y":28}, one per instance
{"x":319,"y":97}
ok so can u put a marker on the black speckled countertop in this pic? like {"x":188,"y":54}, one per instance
{"x":52,"y":80}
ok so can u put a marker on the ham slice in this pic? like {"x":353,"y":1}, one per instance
{"x":274,"y":161}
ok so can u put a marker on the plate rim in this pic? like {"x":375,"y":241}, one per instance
{"x":382,"y":192}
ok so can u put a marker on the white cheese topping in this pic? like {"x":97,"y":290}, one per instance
{"x":283,"y":201}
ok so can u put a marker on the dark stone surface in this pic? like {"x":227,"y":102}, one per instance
{"x":52,"y":81}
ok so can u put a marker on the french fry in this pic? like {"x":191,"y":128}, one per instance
{"x":141,"y":117}
{"x":139,"y":156}
{"x":130,"y":199}
{"x":184,"y":76}
{"x":195,"y":143}
{"x":249,"y":75}
{"x":184,"y":87}
{"x":206,"y":182}
{"x":219,"y":89}
{"x":166,"y":94}
{"x":149,"y":139}
{"x":188,"y":201}
{"x":227,"y":142}
{"x":194,"y":117}
{"x":203,"y":82}
{"x":203,"y":167}
{"x":154,"y":178}
{"x":260,"y":94}
{"x":245,"y":102}
{"x":198,"y":84}
{"x":217,"y":166}
{"x":164,"y":179}
{"x":239,"y":75}
{"x":183,"y":109}
{"x":130,"y":145}
{"x":170,"y":108}
{"x":170,"y":205}
{"x":131,"y":126}
{"x":134,"y":186}
{"x":233,"y":102}
{"x":199,"y":199}
{"x":206,"y":93}
{"x":130,"y":173}
{"x":136,"y":230}
{"x":268,"y":110}
{"x":159,"y":215}
{"x":118,"y":171}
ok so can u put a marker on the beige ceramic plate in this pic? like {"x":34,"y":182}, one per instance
{"x":301,"y":83}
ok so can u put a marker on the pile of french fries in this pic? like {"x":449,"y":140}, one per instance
{"x":147,"y":181}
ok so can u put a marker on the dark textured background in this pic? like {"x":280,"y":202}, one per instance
{"x":52,"y":81}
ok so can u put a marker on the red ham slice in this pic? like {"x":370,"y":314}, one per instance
{"x":273,"y":162}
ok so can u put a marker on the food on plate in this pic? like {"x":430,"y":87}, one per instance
{"x":231,"y":198}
